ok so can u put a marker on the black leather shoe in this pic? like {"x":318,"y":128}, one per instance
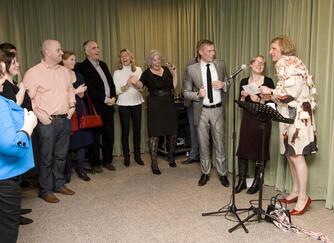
{"x":24,"y":220}
{"x":139,"y":161}
{"x":254,"y":187}
{"x":109,"y":167}
{"x":97,"y":169}
{"x":68,"y":178}
{"x":172,"y":164}
{"x":204,"y":179}
{"x":241,"y":185}
{"x":84,"y":176}
{"x":25,"y":211}
{"x":156,"y":171}
{"x":25,"y":184}
{"x":224,"y":181}
{"x":189,"y":161}
{"x":127,"y":161}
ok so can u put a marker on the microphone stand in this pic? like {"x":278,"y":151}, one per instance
{"x":232,"y":209}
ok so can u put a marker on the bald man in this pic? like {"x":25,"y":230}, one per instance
{"x":101,"y":90}
{"x":52,"y":96}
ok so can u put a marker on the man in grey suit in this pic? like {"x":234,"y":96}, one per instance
{"x":205,"y":84}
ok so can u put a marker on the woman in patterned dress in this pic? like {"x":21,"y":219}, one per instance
{"x":294,"y":95}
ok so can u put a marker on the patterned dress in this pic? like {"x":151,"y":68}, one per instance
{"x":294,"y":95}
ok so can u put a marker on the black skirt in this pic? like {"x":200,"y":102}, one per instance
{"x":161,"y":116}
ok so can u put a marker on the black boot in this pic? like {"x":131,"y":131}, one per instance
{"x":153,"y":153}
{"x":257,"y":178}
{"x":127,"y":160}
{"x":172,"y":144}
{"x":243,"y":169}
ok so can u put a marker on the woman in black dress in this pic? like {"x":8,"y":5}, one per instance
{"x":80,"y":139}
{"x":161,"y":111}
{"x":250,"y":141}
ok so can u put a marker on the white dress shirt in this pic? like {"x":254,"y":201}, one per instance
{"x":216,"y":93}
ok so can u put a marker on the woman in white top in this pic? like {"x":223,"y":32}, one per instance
{"x":129,"y":102}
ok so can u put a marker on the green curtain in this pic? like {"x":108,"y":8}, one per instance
{"x":240,"y":29}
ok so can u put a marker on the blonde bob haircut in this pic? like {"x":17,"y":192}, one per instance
{"x":132,"y":59}
{"x":286,"y":45}
{"x":149,"y":57}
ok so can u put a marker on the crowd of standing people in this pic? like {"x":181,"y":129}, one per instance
{"x":57,"y":90}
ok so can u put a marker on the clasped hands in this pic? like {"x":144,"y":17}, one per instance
{"x":110,"y":101}
{"x":131,"y":81}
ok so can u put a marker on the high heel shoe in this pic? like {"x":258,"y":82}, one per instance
{"x":301,"y":212}
{"x":156,"y":170}
{"x":287,"y":201}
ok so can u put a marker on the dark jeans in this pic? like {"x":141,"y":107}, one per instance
{"x":53,"y":141}
{"x":10,"y":209}
{"x":107,"y":133}
{"x":125,"y":114}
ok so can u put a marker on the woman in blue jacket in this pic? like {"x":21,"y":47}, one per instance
{"x":16,"y":157}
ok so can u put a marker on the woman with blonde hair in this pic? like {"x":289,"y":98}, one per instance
{"x":294,"y":95}
{"x":129,"y":103}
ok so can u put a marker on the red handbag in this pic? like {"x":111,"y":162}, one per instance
{"x":74,"y":122}
{"x":92,"y":120}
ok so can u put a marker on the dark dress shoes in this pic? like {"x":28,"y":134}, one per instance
{"x":110,"y":166}
{"x":139,"y":161}
{"x":25,"y":211}
{"x":224,"y":181}
{"x":189,"y":161}
{"x":83,"y":176}
{"x":24,"y":220}
{"x":155,"y":170}
{"x":172,"y":164}
{"x":127,"y":161}
{"x":65,"y":190}
{"x":204,"y":179}
{"x":241,"y":185}
{"x":50,"y":198}
{"x":68,"y":178}
{"x":97,"y":169}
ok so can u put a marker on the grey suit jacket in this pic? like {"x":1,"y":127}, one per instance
{"x":193,"y":82}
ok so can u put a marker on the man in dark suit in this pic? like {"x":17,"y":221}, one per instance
{"x":205,"y":84}
{"x":101,"y":90}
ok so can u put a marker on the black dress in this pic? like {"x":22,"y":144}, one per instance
{"x":10,"y":90}
{"x":80,"y":138}
{"x":250,"y":139}
{"x":161,"y":110}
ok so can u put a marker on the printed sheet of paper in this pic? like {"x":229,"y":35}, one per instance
{"x":251,"y":89}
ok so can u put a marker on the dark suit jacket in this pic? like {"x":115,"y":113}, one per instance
{"x":193,"y":82}
{"x":95,"y":86}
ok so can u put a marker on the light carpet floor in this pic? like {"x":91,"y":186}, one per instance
{"x":133,"y":205}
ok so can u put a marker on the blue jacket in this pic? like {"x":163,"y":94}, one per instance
{"x":16,"y":155}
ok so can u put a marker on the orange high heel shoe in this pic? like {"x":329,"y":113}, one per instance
{"x":301,"y":212}
{"x":287,"y":201}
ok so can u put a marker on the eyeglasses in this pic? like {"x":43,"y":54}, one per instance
{"x":259,"y":63}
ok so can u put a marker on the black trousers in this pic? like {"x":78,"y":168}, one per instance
{"x":107,"y":133}
{"x":125,"y":114}
{"x":10,"y":209}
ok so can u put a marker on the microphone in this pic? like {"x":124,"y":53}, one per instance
{"x":240,"y":69}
